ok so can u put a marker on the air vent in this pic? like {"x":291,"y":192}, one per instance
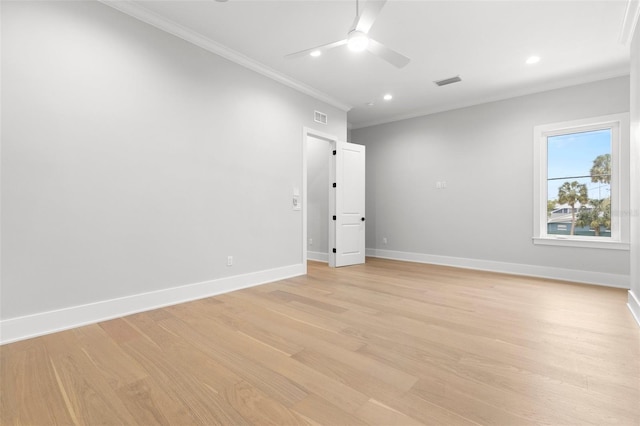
{"x":448,"y":81}
{"x":320,"y":117}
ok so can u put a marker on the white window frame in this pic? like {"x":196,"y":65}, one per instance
{"x":619,"y":125}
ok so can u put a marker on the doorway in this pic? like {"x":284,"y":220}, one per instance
{"x":333,"y":174}
{"x":318,"y":202}
{"x":319,"y":153}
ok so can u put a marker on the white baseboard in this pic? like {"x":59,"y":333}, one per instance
{"x":317,"y":256}
{"x":26,"y":327}
{"x":634,"y":306}
{"x":586,"y":277}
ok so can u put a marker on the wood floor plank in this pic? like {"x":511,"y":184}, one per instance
{"x":29,"y":393}
{"x":107,"y":356}
{"x":518,"y":346}
{"x":185,"y":397}
{"x":519,"y":390}
{"x":467,"y":406}
{"x":233,"y":319}
{"x":169,"y":353}
{"x":261,"y":312}
{"x":88,"y":393}
{"x":384,"y":343}
{"x":285,"y":370}
{"x":119,"y":330}
{"x":149,"y":404}
{"x":299,"y":315}
{"x":325,"y":413}
{"x":310,"y":301}
{"x":257,"y":408}
{"x":375,"y":412}
{"x":374,"y":387}
{"x":336,"y":353}
{"x":238,"y":361}
{"x":196,"y":380}
{"x":423,"y":410}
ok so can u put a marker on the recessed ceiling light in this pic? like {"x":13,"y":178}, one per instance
{"x":533,"y":60}
{"x":316,"y":53}
{"x":387,"y":97}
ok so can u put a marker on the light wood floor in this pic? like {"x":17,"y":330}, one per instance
{"x":386,"y":343}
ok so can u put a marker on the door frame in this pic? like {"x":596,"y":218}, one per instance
{"x":333,"y":141}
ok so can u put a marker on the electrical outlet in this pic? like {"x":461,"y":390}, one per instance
{"x":384,"y":240}
{"x":310,"y":241}
{"x":229,"y":260}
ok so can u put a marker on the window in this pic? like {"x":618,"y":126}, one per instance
{"x":581,"y":183}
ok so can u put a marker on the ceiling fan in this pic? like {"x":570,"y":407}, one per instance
{"x":358,"y":38}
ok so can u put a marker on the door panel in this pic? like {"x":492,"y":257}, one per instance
{"x":350,"y":204}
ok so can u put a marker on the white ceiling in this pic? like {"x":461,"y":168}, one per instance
{"x":485,"y":42}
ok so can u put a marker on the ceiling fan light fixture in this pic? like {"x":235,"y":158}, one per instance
{"x":533,"y":60}
{"x":357,"y":41}
{"x":358,"y":38}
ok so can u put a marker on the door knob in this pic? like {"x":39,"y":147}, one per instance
{"x":362,"y":219}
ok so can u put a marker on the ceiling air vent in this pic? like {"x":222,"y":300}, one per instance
{"x":319,"y":117}
{"x":448,"y":81}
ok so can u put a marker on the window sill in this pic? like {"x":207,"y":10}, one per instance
{"x":580,"y":242}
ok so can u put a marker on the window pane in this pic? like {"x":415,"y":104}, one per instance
{"x":579,"y":183}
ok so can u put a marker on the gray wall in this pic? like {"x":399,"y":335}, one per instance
{"x":318,"y":157}
{"x":485,"y":154}
{"x":133,"y":161}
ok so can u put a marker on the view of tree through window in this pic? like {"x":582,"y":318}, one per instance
{"x":579,"y":183}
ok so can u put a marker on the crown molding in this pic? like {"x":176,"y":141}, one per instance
{"x":630,"y":21}
{"x":147,"y":16}
{"x":531,"y":90}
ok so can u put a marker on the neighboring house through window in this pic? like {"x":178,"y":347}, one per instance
{"x":581,"y":183}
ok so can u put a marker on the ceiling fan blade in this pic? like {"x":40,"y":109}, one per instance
{"x":364,"y":21}
{"x":322,"y":48}
{"x":389,"y":55}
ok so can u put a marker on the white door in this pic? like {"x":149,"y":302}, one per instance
{"x":350,"y":217}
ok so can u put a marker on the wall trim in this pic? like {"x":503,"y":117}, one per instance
{"x":634,"y":306}
{"x":147,"y":16}
{"x":504,"y":96}
{"x":318,"y":256}
{"x":631,"y":18}
{"x":585,"y":277}
{"x":26,"y":327}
